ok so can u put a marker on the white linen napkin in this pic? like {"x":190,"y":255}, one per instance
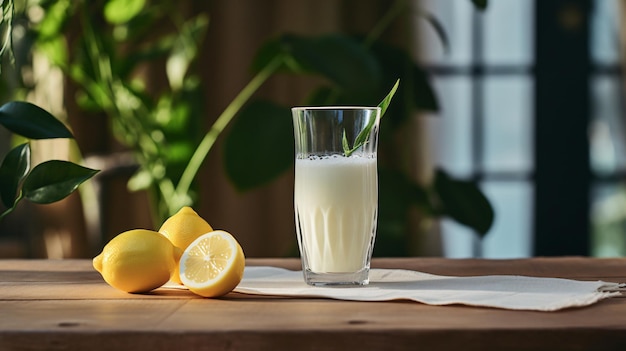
{"x":498,"y":291}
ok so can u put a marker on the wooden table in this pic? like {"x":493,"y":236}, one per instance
{"x":65,"y":305}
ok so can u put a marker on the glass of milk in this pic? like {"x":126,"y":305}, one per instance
{"x":336,"y":192}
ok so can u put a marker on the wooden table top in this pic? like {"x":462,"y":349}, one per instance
{"x":65,"y":305}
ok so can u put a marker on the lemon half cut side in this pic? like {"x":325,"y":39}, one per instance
{"x":182,"y":229}
{"x":213,"y":264}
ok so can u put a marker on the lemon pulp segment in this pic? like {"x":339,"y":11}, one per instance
{"x":213,"y":264}
{"x":182,"y":229}
{"x":207,"y":259}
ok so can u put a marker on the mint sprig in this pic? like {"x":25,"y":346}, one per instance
{"x":362,"y":137}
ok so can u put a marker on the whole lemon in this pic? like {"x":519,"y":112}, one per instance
{"x":137,"y":261}
{"x":182,"y":229}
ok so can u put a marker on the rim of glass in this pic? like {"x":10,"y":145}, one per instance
{"x":328,"y":108}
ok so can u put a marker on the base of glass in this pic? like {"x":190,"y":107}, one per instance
{"x":329,"y":279}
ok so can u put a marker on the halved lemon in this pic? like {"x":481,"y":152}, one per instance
{"x":212,"y":265}
{"x":182,"y":229}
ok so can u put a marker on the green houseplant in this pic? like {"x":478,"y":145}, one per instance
{"x":115,"y":39}
{"x":49,"y":181}
{"x":355,"y":71}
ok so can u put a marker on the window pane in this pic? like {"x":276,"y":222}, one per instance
{"x":508,"y":33}
{"x":608,"y":147}
{"x":605,"y":32}
{"x":451,"y":129}
{"x":510,"y":236}
{"x":508,"y":124}
{"x":458,"y":240}
{"x":456,"y":18}
{"x":608,"y":220}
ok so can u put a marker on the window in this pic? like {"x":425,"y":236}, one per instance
{"x":502,"y":123}
{"x":607,"y":133}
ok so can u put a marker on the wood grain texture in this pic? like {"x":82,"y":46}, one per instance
{"x":65,"y":305}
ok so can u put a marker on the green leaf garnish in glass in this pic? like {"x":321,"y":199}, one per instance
{"x":362,"y":137}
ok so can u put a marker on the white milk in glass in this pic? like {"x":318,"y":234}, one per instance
{"x":336,"y":202}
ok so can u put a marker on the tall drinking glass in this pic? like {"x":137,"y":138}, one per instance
{"x":336,"y":192}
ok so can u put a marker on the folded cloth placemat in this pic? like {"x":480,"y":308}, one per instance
{"x":497,"y":291}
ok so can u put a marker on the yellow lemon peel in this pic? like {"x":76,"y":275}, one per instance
{"x":137,"y":261}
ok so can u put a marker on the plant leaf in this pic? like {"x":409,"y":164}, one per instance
{"x":57,"y":14}
{"x":439,"y":29}
{"x":480,"y":4}
{"x":160,"y":49}
{"x":424,"y":96}
{"x":464,"y":202}
{"x":415,"y":92}
{"x":141,"y":180}
{"x":259,"y":146}
{"x":185,"y":50}
{"x":362,"y":137}
{"x":394,"y":63}
{"x":122,"y":11}
{"x":13,"y":170}
{"x":55,"y":50}
{"x":6,"y":28}
{"x":54,"y":180}
{"x":387,"y":100}
{"x":341,"y":59}
{"x":345,"y":144}
{"x":31,"y":121}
